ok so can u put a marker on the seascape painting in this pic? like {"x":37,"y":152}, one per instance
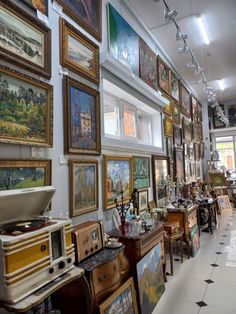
{"x":80,"y":54}
{"x":150,"y":279}
{"x":123,"y":41}
{"x":84,"y":187}
{"x":20,"y":38}
{"x":174,"y":86}
{"x":21,"y":174}
{"x":25,"y":113}
{"x":141,"y":172}
{"x":40,"y":5}
{"x":148,"y":64}
{"x":87,"y":13}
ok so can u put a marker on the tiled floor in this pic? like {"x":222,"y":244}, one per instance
{"x":205,"y":284}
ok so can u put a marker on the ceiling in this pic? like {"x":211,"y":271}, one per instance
{"x":218,"y":59}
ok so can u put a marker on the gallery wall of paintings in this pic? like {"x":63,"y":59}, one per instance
{"x":50,"y":110}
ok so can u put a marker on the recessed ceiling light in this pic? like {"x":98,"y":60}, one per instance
{"x":203,"y":30}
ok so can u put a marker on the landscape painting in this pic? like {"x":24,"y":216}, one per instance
{"x":150,"y":279}
{"x":40,"y":5}
{"x":141,"y":172}
{"x":118,"y":179}
{"x":163,"y":76}
{"x":83,"y":187}
{"x":82,"y":122}
{"x":174,"y":86}
{"x":25,"y":109}
{"x":88,"y":13}
{"x":185,"y":102}
{"x":21,"y":174}
{"x":122,"y":301}
{"x":123,"y":41}
{"x":24,"y":41}
{"x":78,"y":53}
{"x":148,"y":64}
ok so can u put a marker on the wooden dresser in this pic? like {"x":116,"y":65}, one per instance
{"x":186,"y":218}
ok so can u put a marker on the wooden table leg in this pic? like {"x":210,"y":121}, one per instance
{"x":171,"y":258}
{"x":164,"y":271}
{"x":181,"y":248}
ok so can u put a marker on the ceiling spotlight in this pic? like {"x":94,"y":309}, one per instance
{"x":184,"y":49}
{"x":180,"y":36}
{"x":198,"y":69}
{"x":170,"y":14}
{"x":192,"y":64}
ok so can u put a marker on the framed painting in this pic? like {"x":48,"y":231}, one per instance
{"x":83,"y":186}
{"x":168,"y":127}
{"x":176,"y":113}
{"x":187,"y":172}
{"x":141,"y":172}
{"x":199,"y":112}
{"x":198,"y":170}
{"x":122,"y":301}
{"x":21,"y":174}
{"x":177,"y":136}
{"x":174,"y":86}
{"x":196,"y":151}
{"x":150,"y":280}
{"x":142,"y":201}
{"x":160,"y":171}
{"x":191,"y":152}
{"x":200,"y":135}
{"x":123,"y":41}
{"x":87,"y":13}
{"x":202,"y":150}
{"x":39,"y":5}
{"x":223,"y":203}
{"x":25,"y":109}
{"x":147,"y":64}
{"x":168,"y":109}
{"x":78,"y":53}
{"x":117,"y":179}
{"x":192,"y":171}
{"x":194,"y":105}
{"x":195,"y":240}
{"x":163,"y":76}
{"x":187,"y":130}
{"x":232,"y":115}
{"x":25,"y":41}
{"x":195,"y":132}
{"x":217,"y":123}
{"x":82,"y":118}
{"x":169,"y":148}
{"x":217,"y":178}
{"x":179,"y":165}
{"x":187,"y":150}
{"x":185,"y":102}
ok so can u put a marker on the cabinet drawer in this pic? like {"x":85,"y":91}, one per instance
{"x":192,"y":219}
{"x":105,"y":276}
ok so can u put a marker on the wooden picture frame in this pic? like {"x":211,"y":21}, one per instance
{"x":78,"y":53}
{"x":187,"y":130}
{"x":179,"y":165}
{"x":176,"y":113}
{"x":87,"y":14}
{"x":199,"y":110}
{"x":83,"y":186}
{"x":170,"y":148}
{"x":194,"y":106}
{"x":142,"y":201}
{"x":200,"y":134}
{"x":31,"y":53}
{"x":196,"y":147}
{"x":81,"y":118}
{"x":141,"y":168}
{"x":174,"y":86}
{"x":177,"y":136}
{"x":168,"y":127}
{"x":160,"y":172}
{"x":41,"y":6}
{"x":163,"y":75}
{"x":19,"y":174}
{"x":202,"y":150}
{"x":224,"y":203}
{"x":26,"y":110}
{"x":195,"y":132}
{"x":122,"y":300}
{"x":168,"y":109}
{"x":185,"y":101}
{"x":117,"y":177}
{"x":217,"y":178}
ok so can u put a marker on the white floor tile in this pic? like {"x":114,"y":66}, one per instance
{"x":215,"y":310}
{"x":177,"y":307}
{"x":224,"y":274}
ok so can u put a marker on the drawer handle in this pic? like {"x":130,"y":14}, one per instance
{"x":43,"y":248}
{"x":102,"y":277}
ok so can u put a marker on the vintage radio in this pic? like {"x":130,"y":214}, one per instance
{"x":34,"y":249}
{"x":88,"y":239}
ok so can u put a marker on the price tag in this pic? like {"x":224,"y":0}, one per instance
{"x":57,"y":7}
{"x":63,"y":71}
{"x":43,"y":18}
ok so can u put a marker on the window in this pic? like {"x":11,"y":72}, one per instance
{"x":111,"y":116}
{"x":129,"y":121}
{"x":225,"y":148}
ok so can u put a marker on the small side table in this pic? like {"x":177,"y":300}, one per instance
{"x":176,"y":235}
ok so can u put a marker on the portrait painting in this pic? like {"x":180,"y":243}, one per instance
{"x":174,"y":86}
{"x":25,"y":109}
{"x":160,"y":170}
{"x":176,"y":113}
{"x":87,"y":13}
{"x":148,"y":64}
{"x":25,"y":41}
{"x":194,"y":105}
{"x":78,"y":53}
{"x":185,"y":102}
{"x":122,"y":301}
{"x":123,"y":41}
{"x":142,"y":201}
{"x":83,"y":186}
{"x":82,"y":118}
{"x":187,"y":130}
{"x":40,"y":5}
{"x":179,"y":165}
{"x":141,"y":172}
{"x":168,"y":127}
{"x":232,"y":115}
{"x":22,"y":174}
{"x":163,"y":75}
{"x":117,"y":179}
{"x":151,"y":284}
{"x":177,"y":136}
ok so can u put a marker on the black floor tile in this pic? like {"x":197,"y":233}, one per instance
{"x":218,"y":253}
{"x":201,"y":303}
{"x":214,"y":265}
{"x":209,"y":281}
